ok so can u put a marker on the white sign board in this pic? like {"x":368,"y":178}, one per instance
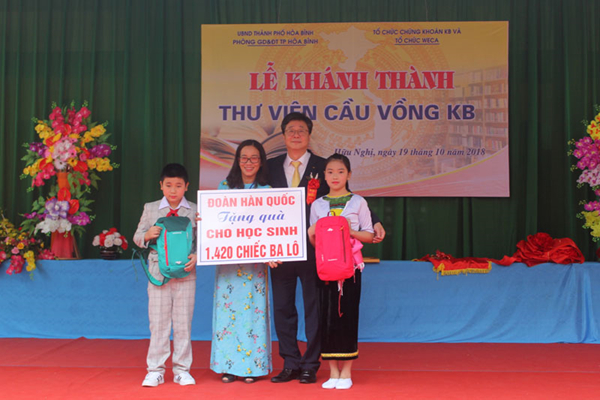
{"x":248,"y":226}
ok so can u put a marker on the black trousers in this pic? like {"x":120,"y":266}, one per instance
{"x":284,"y":280}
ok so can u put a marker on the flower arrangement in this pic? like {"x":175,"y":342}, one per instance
{"x":587,"y":151}
{"x":20,"y":247}
{"x":73,"y":149}
{"x":70,"y":143}
{"x":111,"y":240}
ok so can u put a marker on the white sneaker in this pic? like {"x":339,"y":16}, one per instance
{"x":184,"y":379}
{"x":344,"y":384}
{"x":153,"y":379}
{"x":330,"y":384}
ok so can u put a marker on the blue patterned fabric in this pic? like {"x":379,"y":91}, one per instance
{"x":241,"y":338}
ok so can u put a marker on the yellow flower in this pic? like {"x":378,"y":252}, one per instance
{"x":44,"y":131}
{"x":40,"y":127}
{"x":593,"y":130}
{"x":51,"y":139}
{"x":250,"y":277}
{"x":87,"y":137}
{"x":72,"y":162}
{"x":30,"y":170}
{"x":249,"y":352}
{"x":103,"y":164}
{"x":33,"y":169}
{"x":98,"y":131}
{"x":595,"y":231}
{"x":20,"y":246}
{"x":592,"y":218}
{"x":92,"y":163}
{"x":30,"y":257}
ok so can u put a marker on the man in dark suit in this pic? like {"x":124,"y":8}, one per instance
{"x":294,"y":169}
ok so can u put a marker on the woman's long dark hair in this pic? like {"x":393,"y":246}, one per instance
{"x":234,"y":179}
{"x":345,"y":160}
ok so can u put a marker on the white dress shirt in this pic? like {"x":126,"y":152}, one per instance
{"x":288,"y":168}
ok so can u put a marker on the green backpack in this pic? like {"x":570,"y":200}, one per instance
{"x":173,"y":246}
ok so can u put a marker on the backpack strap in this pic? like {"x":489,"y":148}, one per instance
{"x":142,"y":255}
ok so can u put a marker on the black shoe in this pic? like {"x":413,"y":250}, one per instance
{"x":286,"y":375}
{"x":308,"y":376}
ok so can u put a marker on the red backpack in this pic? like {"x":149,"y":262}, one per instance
{"x":333,"y":249}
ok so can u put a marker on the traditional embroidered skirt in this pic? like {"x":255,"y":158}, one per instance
{"x":339,"y":335}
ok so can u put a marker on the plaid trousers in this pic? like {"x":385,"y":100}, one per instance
{"x":170,"y":306}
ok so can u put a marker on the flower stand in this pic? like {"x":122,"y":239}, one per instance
{"x":63,"y":246}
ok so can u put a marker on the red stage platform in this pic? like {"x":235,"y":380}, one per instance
{"x":114,"y":369}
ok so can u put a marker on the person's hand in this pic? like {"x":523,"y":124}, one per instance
{"x":273,"y":264}
{"x":152,"y":233}
{"x":311,"y":234}
{"x":198,"y":219}
{"x":190,"y":265}
{"x":379,"y":232}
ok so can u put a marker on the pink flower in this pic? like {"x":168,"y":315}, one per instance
{"x":46,"y":254}
{"x":56,"y":113}
{"x":16,"y":265}
{"x":84,"y":112}
{"x":71,"y":115}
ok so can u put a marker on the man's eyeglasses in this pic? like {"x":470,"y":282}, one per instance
{"x":253,"y":159}
{"x":296,"y":132}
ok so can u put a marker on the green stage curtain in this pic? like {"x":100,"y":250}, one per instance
{"x":138,"y":63}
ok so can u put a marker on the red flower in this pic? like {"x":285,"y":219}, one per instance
{"x":102,"y":237}
{"x":64,"y":194}
{"x":74,"y":206}
{"x":80,"y":166}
